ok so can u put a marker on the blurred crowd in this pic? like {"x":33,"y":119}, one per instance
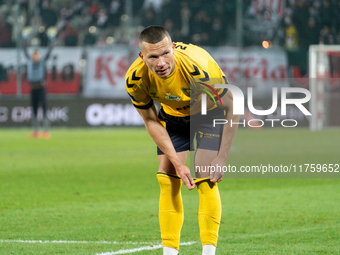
{"x":311,"y":22}
{"x":104,"y":22}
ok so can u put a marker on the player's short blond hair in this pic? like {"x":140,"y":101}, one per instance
{"x":153,"y":34}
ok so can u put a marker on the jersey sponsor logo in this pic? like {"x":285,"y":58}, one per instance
{"x":172,"y":97}
{"x":188,"y":91}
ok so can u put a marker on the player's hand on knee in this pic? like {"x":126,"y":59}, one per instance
{"x":216,"y":172}
{"x":184,"y":172}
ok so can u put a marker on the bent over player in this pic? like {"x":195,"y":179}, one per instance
{"x":164,"y":72}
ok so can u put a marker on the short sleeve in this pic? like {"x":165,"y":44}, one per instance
{"x":136,"y":91}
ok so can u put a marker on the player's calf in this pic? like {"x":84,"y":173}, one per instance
{"x":209,"y":215}
{"x":171,"y":214}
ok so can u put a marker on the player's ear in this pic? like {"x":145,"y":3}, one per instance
{"x":141,"y":55}
{"x":173,"y":45}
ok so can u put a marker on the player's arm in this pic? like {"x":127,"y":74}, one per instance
{"x":160,"y":136}
{"x":227,"y":136}
{"x":49,"y":50}
{"x":25,"y":49}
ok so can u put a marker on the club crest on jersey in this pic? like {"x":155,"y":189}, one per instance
{"x":172,"y":97}
{"x":188,"y":91}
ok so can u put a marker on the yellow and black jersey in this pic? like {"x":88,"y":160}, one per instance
{"x":192,"y":63}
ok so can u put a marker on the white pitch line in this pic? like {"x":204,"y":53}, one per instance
{"x":145,"y":248}
{"x":65,"y":241}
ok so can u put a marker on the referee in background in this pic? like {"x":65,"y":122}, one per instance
{"x":36,"y":76}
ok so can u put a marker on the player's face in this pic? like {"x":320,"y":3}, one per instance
{"x":35,"y":56}
{"x":159,"y":57}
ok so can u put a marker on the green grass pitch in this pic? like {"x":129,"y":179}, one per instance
{"x":83,"y":187}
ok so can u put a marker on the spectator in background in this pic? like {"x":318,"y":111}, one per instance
{"x":200,"y":25}
{"x":201,"y":22}
{"x":300,"y":21}
{"x":178,"y":36}
{"x":102,"y":17}
{"x":69,"y":35}
{"x":85,"y":19}
{"x":88,"y":2}
{"x":49,"y":16}
{"x":93,"y":10}
{"x":23,"y":5}
{"x":3,"y":73}
{"x":155,"y":5}
{"x":148,"y":18}
{"x":123,"y":38}
{"x":314,"y":14}
{"x":217,"y":32}
{"x":196,"y":39}
{"x":5,"y":33}
{"x":66,"y":12}
{"x":225,"y":8}
{"x":313,"y":32}
{"x":326,"y":37}
{"x":78,"y":7}
{"x":316,"y":4}
{"x":102,"y":42}
{"x":195,"y":6}
{"x":337,"y":19}
{"x":171,"y":10}
{"x":326,"y":12}
{"x":205,"y":39}
{"x":89,"y":38}
{"x":169,"y":26}
{"x":185,"y":21}
{"x":44,"y":4}
{"x":115,"y":11}
{"x":137,"y":8}
{"x":291,"y":35}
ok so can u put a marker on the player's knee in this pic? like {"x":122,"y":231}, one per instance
{"x":166,"y":170}
{"x":168,"y":179}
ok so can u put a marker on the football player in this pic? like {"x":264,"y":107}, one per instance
{"x":176,"y":74}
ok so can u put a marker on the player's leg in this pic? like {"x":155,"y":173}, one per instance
{"x":35,"y":104}
{"x":46,"y":122}
{"x":210,"y":208}
{"x":171,"y":214}
{"x":170,"y":205}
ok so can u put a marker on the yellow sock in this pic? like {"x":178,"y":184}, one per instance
{"x":171,"y":214}
{"x":209,"y":212}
